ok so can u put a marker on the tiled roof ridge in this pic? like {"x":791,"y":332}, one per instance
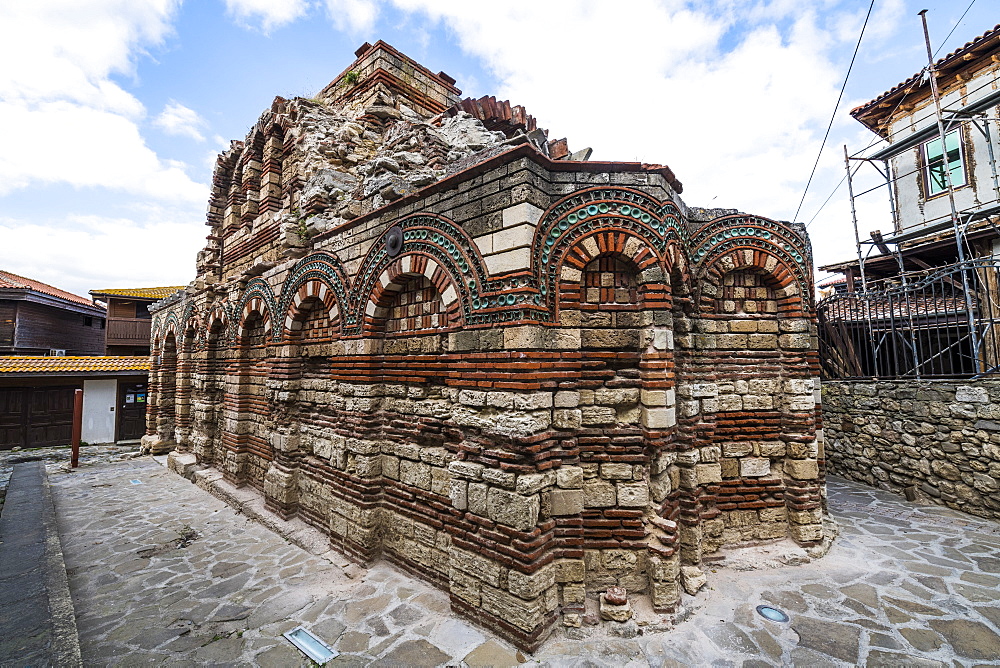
{"x":151,"y":293}
{"x":18,"y":281}
{"x":71,"y":364}
{"x":989,"y":34}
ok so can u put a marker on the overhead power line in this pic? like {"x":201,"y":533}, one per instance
{"x":836,"y":107}
{"x":876,"y":139}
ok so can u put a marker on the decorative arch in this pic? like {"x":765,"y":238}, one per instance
{"x":397,"y":275}
{"x":171,"y":325}
{"x":442,"y":245}
{"x":309,"y":292}
{"x":217,"y":314}
{"x":625,"y":220}
{"x":742,"y":241}
{"x":318,"y":275}
{"x":257,"y":298}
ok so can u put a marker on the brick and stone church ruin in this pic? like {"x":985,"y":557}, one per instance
{"x":445,"y":340}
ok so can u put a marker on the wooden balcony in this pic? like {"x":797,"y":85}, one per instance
{"x":128,"y":331}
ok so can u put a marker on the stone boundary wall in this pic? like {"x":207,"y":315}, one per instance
{"x":937,"y":440}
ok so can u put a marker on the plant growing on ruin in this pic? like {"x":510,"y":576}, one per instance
{"x":352,"y":77}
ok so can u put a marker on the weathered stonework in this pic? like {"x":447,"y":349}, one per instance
{"x":939,"y":440}
{"x":446,"y":341}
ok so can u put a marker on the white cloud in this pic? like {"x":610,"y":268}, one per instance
{"x":154,"y":248}
{"x":271,"y":13}
{"x":67,"y":49}
{"x":354,"y":16}
{"x":176,"y":119}
{"x":64,"y":142}
{"x":733,"y":94}
{"x":73,"y":123}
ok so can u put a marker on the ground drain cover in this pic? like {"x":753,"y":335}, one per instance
{"x":775,"y":615}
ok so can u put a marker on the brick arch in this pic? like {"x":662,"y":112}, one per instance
{"x":394,"y":278}
{"x":435,"y":239}
{"x":775,"y":274}
{"x":310,"y":291}
{"x":742,"y":241}
{"x":259,"y":299}
{"x":170,"y":326}
{"x":319,"y":274}
{"x":649,"y":266}
{"x":217,"y":314}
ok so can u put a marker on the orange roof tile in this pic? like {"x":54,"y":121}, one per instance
{"x":62,"y":365}
{"x":9,"y":280}
{"x":141,"y":293}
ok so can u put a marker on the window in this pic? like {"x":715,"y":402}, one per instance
{"x":935,"y":160}
{"x":88,"y":321}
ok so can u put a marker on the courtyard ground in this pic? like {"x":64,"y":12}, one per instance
{"x":160,"y":571}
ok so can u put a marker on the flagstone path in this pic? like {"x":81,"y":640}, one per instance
{"x":161,"y":572}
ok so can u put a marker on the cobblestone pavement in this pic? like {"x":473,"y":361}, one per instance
{"x":161,"y":571}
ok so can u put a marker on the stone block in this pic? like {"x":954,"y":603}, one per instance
{"x":633,"y":495}
{"x":708,"y":473}
{"x":615,"y":613}
{"x":972,"y":394}
{"x":532,"y":483}
{"x":512,"y":509}
{"x":464,"y":586}
{"x":500,"y":478}
{"x":755,"y":467}
{"x":794,"y":341}
{"x":692,"y":579}
{"x":521,"y":214}
{"x":529,"y":586}
{"x":802,"y":469}
{"x":730,"y":467}
{"x":532,"y":402}
{"x":525,"y":615}
{"x":616,"y":471}
{"x":567,"y":399}
{"x":416,"y":474}
{"x":566,"y":502}
{"x":477,"y":498}
{"x":598,"y":415}
{"x":616,"y":396}
{"x":569,"y":477}
{"x":481,"y":568}
{"x":658,"y":418}
{"x":468,"y":470}
{"x":567,"y":418}
{"x":459,"y":494}
{"x":512,"y":260}
{"x":598,"y":494}
{"x":737,"y":448}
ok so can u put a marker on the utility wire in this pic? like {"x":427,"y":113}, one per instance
{"x":836,"y":107}
{"x":873,"y":141}
{"x":954,"y":27}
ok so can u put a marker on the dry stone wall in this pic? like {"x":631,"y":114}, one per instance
{"x":531,"y":380}
{"x":934,"y":440}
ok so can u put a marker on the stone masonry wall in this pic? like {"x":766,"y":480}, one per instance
{"x":526,"y":378}
{"x":939,"y":440}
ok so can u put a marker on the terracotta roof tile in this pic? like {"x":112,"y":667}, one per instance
{"x":9,"y":280}
{"x":959,"y":55}
{"x":141,"y":293}
{"x":60,"y":365}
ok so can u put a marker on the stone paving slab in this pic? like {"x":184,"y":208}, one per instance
{"x":161,"y":572}
{"x":37,"y":624}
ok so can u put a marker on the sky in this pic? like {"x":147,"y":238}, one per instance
{"x":113,"y":111}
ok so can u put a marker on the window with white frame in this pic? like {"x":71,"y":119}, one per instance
{"x":938,"y":158}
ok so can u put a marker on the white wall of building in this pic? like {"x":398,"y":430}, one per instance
{"x":99,"y":400}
